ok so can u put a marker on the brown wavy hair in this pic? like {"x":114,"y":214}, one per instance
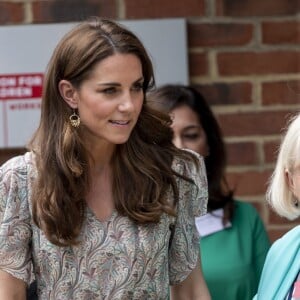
{"x":141,"y":167}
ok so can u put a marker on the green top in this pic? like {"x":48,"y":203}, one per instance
{"x":232,"y":259}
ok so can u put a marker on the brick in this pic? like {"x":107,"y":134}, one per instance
{"x":226,"y":93}
{"x":241,"y":153}
{"x":8,"y":153}
{"x":11,"y":13}
{"x":284,"y":32}
{"x":275,"y":234}
{"x":198,"y":64}
{"x":281,"y":92}
{"x":137,"y":9}
{"x":249,"y":183}
{"x":262,"y":63}
{"x":275,"y":219}
{"x":72,"y":10}
{"x":253,"y":123}
{"x":221,"y":34}
{"x":255,"y":8}
{"x":260,"y":207}
{"x":271,"y":151}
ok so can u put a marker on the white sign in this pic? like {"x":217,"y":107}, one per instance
{"x":25,"y":51}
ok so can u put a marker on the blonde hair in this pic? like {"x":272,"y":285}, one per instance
{"x":279,"y":194}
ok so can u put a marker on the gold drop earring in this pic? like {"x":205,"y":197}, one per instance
{"x":74,"y":119}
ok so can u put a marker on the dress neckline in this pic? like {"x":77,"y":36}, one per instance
{"x":104,"y":221}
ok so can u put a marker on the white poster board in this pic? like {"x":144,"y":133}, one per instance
{"x":26,"y":49}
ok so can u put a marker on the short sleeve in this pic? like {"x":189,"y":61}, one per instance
{"x":261,"y":243}
{"x":193,"y":196}
{"x":15,"y":224}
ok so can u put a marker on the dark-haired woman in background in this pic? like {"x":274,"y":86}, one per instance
{"x":234,"y":242}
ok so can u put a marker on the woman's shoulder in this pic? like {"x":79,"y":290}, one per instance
{"x":189,"y":164}
{"x":292,"y":237}
{"x":17,"y":167}
{"x":245,"y":208}
{"x":281,"y":265}
{"x":285,"y":247}
{"x":19,"y":162}
{"x":194,"y":191}
{"x":246,"y":216}
{"x":192,"y":167}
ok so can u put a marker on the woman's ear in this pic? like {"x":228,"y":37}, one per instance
{"x":289,"y":179}
{"x":68,"y":93}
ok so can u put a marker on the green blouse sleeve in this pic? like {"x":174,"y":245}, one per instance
{"x":261,"y":243}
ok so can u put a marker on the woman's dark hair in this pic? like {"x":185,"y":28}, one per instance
{"x":168,"y":97}
{"x":142,"y":167}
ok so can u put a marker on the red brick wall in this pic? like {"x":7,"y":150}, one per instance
{"x":243,"y":55}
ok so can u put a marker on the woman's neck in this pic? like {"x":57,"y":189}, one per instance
{"x":100,"y":157}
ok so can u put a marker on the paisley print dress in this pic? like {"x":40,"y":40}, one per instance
{"x":116,"y":259}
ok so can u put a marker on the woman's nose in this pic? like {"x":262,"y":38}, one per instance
{"x":126,"y":103}
{"x":177,"y":141}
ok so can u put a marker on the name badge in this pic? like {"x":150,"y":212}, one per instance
{"x":211,"y":222}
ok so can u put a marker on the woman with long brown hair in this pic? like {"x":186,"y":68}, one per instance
{"x":97,"y":209}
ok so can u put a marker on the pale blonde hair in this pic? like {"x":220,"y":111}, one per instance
{"x":279,"y":194}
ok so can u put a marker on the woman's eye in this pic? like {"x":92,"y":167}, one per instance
{"x":192,"y":136}
{"x":137,"y":87}
{"x":109,"y":91}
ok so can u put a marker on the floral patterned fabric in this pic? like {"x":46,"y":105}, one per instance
{"x":116,"y":259}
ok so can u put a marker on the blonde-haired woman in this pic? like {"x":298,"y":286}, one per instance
{"x":280,"y":278}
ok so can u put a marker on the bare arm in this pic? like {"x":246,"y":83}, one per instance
{"x":11,"y":288}
{"x":192,"y":288}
